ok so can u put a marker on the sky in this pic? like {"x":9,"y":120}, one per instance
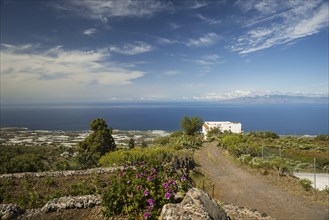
{"x":168,"y":50}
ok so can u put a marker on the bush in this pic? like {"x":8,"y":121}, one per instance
{"x":281,"y":165}
{"x":245,"y":158}
{"x":162,"y":141}
{"x":140,"y":191}
{"x":30,"y":200}
{"x":326,"y":189}
{"x":306,"y":184}
{"x":187,"y":141}
{"x":322,"y":137}
{"x":259,"y":163}
{"x":26,"y":163}
{"x":151,"y":155}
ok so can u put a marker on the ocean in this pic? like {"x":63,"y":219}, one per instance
{"x":284,"y":119}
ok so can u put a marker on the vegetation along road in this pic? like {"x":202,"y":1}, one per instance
{"x":240,"y":187}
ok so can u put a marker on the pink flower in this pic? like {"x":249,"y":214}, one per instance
{"x":154,"y":170}
{"x":138,"y":187}
{"x":173,"y":182}
{"x":183,"y":178}
{"x":165,"y":185}
{"x":146,"y":192}
{"x":147,"y":215}
{"x":138,"y":176}
{"x":149,"y":178}
{"x":167,"y":195}
{"x":150,"y":201}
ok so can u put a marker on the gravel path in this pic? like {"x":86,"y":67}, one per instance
{"x":237,"y":186}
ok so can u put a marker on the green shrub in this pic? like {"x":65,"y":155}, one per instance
{"x":29,"y":200}
{"x":151,"y":155}
{"x":27,"y":163}
{"x":281,"y":165}
{"x":245,"y":158}
{"x":141,"y":190}
{"x":306,"y":184}
{"x":258,"y":162}
{"x":162,"y":141}
{"x":326,"y":189}
{"x":187,"y":141}
{"x":322,"y":137}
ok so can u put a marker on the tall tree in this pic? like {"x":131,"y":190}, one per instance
{"x":191,"y":125}
{"x":95,"y":145}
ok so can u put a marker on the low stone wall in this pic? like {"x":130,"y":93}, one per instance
{"x":62,"y":173}
{"x":69,"y":202}
{"x":11,"y":211}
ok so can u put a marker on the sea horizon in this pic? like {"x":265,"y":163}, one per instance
{"x":284,"y":119}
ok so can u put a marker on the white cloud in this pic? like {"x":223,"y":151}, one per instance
{"x":224,"y":96}
{"x":216,"y":96}
{"x":132,"y":48}
{"x":206,"y":40}
{"x":166,"y":41}
{"x":105,"y":9}
{"x":210,"y":59}
{"x":208,"y":20}
{"x":25,"y":70}
{"x":90,"y":31}
{"x":198,"y":4}
{"x":282,"y":23}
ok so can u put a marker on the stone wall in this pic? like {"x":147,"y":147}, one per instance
{"x":63,"y":173}
{"x":11,"y":211}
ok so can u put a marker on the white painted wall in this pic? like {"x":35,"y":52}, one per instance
{"x":234,"y":127}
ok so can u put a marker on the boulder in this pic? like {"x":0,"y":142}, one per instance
{"x":196,"y":205}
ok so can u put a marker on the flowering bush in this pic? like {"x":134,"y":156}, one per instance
{"x":140,"y":191}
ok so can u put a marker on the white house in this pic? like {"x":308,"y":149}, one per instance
{"x":234,"y":127}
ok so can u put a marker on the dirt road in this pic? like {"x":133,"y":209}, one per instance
{"x":239,"y":187}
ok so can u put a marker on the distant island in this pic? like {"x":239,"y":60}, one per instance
{"x":278,"y":99}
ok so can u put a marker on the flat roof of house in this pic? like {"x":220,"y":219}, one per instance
{"x":220,"y":122}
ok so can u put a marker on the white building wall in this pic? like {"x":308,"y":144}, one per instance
{"x":222,"y":125}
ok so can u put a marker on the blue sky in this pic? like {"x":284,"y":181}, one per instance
{"x":132,"y":50}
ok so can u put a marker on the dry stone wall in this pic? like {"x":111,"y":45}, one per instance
{"x":63,"y":173}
